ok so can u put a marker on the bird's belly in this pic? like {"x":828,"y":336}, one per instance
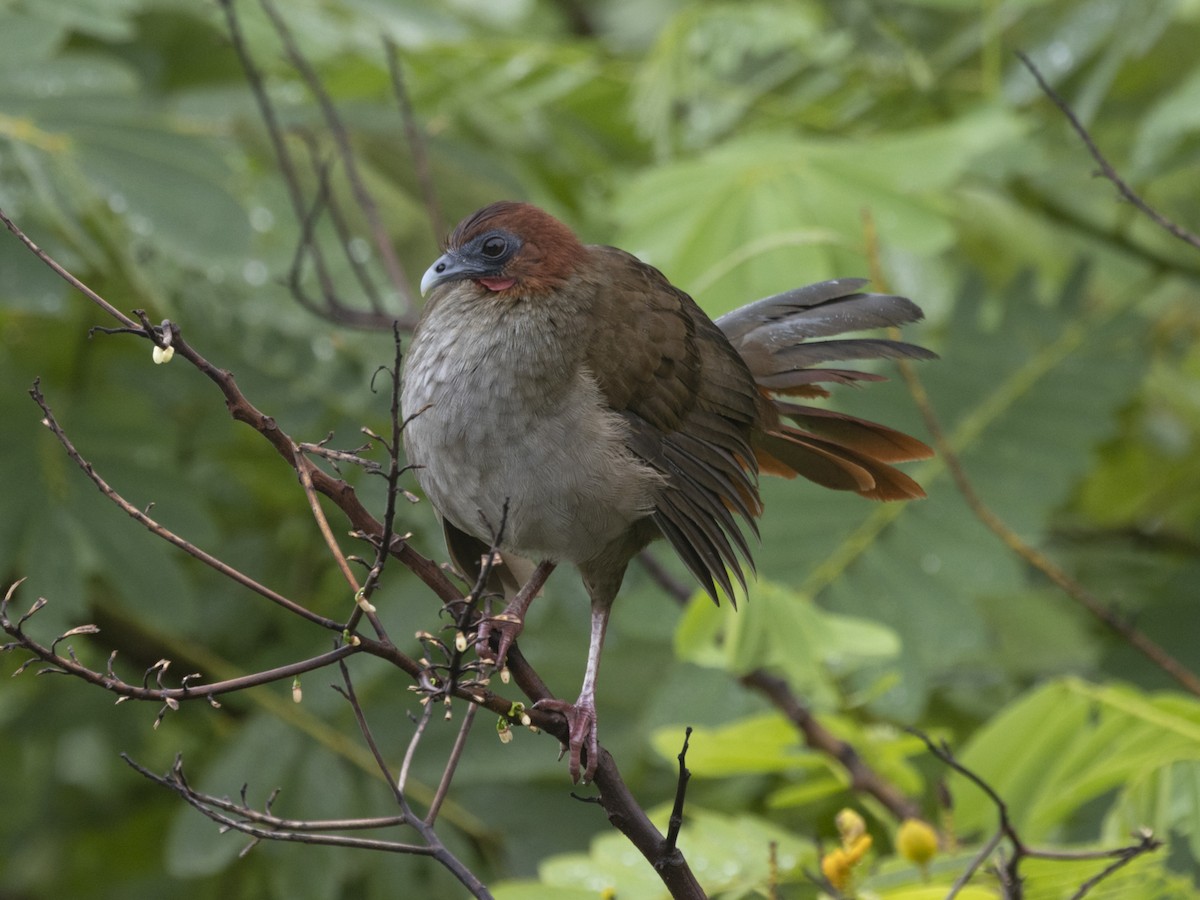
{"x":556,"y":457}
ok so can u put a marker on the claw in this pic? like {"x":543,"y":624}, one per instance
{"x":582,"y":736}
{"x":509,"y":623}
{"x":508,"y":627}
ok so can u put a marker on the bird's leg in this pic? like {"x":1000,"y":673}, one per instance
{"x":508,"y":624}
{"x":581,"y":715}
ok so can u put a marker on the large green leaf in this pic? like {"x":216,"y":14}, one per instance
{"x":731,"y":855}
{"x":761,"y":213}
{"x":781,"y":630}
{"x":1069,"y":744}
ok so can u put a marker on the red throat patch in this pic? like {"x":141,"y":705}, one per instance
{"x":497,"y":284}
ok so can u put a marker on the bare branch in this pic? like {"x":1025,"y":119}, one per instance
{"x":416,"y":141}
{"x":166,"y":534}
{"x":1124,"y":629}
{"x":267,"y":827}
{"x":460,"y":743}
{"x":69,"y":665}
{"x":70,"y":279}
{"x":328,"y":199}
{"x":1106,"y":168}
{"x":1009,"y":873}
{"x":341,"y":137}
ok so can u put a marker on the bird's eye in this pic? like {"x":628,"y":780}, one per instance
{"x":494,"y":247}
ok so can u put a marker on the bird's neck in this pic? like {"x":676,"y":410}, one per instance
{"x":468,"y":339}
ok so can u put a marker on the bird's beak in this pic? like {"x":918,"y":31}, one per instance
{"x":444,"y":268}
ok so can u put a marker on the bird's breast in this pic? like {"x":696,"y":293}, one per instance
{"x":505,"y":413}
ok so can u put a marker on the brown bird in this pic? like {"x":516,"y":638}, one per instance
{"x":575,"y":387}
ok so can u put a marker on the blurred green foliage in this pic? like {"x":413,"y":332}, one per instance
{"x":736,"y":146}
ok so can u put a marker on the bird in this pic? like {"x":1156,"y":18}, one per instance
{"x":565,"y":403}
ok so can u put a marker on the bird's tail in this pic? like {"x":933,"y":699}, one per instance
{"x":788,"y":342}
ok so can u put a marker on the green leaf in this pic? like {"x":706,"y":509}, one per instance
{"x":727,"y":853}
{"x":1173,"y":117}
{"x":25,"y":39}
{"x":780,"y":629}
{"x":762,"y":743}
{"x":741,"y":221}
{"x":1070,"y":743}
{"x":1024,"y":401}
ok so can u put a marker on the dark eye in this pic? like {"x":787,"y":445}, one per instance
{"x":494,"y":247}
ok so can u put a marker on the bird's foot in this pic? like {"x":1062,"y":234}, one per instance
{"x":506,"y":627}
{"x":583,"y":745}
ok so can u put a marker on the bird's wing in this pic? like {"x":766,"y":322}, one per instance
{"x":691,"y":404}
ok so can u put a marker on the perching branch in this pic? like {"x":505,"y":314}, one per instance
{"x":620,"y":805}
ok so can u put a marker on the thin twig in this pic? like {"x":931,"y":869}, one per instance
{"x":304,"y":468}
{"x":68,"y":277}
{"x":262,"y":825}
{"x":675,"y":823}
{"x":1124,"y":856}
{"x":341,"y":137}
{"x":1137,"y":639}
{"x":416,"y":141}
{"x":328,"y":200}
{"x":973,"y":866}
{"x":190,"y":691}
{"x":1009,"y":873}
{"x":1106,"y":168}
{"x":304,"y":213}
{"x":347,"y":691}
{"x":395,"y":469}
{"x":410,"y":751}
{"x":456,"y":752}
{"x":166,"y":534}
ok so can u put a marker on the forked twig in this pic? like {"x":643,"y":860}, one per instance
{"x":1009,"y":871}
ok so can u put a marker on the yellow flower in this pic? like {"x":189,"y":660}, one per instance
{"x":858,"y":849}
{"x":835,"y":866}
{"x":838,"y":865}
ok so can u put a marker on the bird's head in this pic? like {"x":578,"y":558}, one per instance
{"x":508,"y":247}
